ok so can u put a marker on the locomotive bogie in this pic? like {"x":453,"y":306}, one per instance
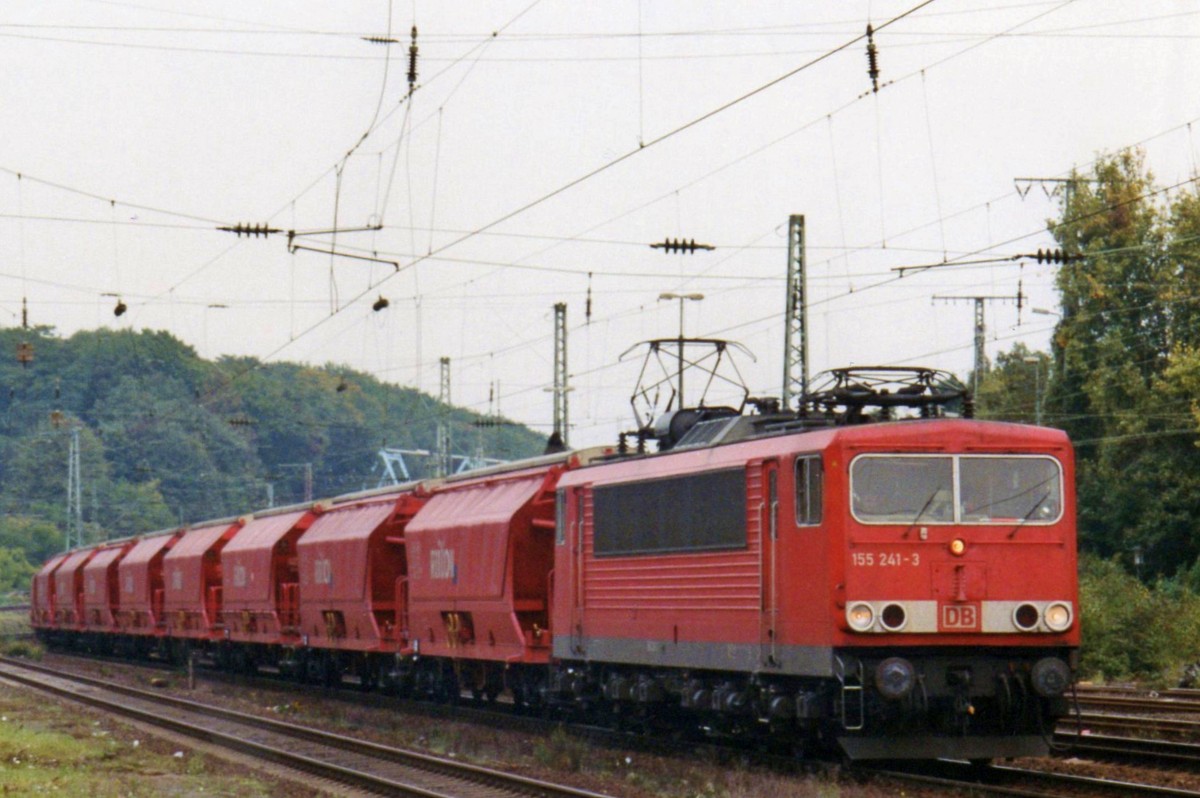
{"x":791,"y":711}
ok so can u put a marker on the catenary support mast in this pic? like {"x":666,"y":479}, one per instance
{"x":795,"y":342}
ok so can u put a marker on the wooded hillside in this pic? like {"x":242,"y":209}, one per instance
{"x":165,"y":436}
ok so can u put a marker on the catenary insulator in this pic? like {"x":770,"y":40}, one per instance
{"x":872,"y":59}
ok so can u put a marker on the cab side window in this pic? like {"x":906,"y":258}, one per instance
{"x":808,"y":490}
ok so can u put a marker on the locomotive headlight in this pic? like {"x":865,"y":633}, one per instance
{"x":860,"y":616}
{"x":958,"y":546}
{"x":1058,"y":617}
{"x":1025,"y":617}
{"x":893,"y":617}
{"x":895,"y":677}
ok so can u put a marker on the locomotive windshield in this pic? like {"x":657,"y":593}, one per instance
{"x":947,"y":489}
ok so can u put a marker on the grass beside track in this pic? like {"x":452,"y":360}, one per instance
{"x":14,"y":622}
{"x":47,"y":748}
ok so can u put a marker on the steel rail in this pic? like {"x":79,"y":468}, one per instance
{"x":604,"y":736}
{"x":1147,"y":704}
{"x":1025,"y":782}
{"x":1128,"y":747}
{"x":1099,"y":720}
{"x":473,"y":775}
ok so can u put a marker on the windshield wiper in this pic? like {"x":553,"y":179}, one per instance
{"x":921,"y":512}
{"x":1037,"y":504}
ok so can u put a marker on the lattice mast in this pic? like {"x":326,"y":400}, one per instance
{"x":981,"y":361}
{"x":443,"y":427}
{"x":795,"y":328}
{"x":74,"y":493}
{"x":562,"y":423}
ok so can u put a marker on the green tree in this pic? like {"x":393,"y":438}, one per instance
{"x":15,"y":570}
{"x":167,"y":437}
{"x":36,"y":537}
{"x":200,"y":461}
{"x":1122,"y":352}
{"x":1122,"y":624}
{"x":1014,"y":388}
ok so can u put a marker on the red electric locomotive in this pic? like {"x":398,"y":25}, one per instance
{"x":904,"y":589}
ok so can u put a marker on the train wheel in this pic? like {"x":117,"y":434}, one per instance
{"x":450,"y":692}
{"x":330,"y":676}
{"x":368,"y":675}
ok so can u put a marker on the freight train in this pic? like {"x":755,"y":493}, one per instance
{"x":833,"y":579}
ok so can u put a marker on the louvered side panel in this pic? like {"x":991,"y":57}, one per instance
{"x":679,"y":581}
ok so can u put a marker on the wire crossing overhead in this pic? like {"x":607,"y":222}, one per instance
{"x":1041,"y":256}
{"x":265,"y":230}
{"x":670,"y":245}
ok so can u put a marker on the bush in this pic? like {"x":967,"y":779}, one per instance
{"x":561,"y":751}
{"x":22,"y":649}
{"x":1135,"y":631}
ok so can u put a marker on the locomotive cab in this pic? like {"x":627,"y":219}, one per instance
{"x":958,"y":601}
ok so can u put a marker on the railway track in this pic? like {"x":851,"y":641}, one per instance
{"x":1108,"y":728}
{"x":1109,"y":746}
{"x":1131,"y":703}
{"x":1172,"y":728}
{"x":994,"y":780}
{"x":355,"y":763}
{"x":1026,"y":782}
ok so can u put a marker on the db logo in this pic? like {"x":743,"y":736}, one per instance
{"x":960,"y":617}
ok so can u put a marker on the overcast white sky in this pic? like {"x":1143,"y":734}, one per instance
{"x":138,"y":127}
